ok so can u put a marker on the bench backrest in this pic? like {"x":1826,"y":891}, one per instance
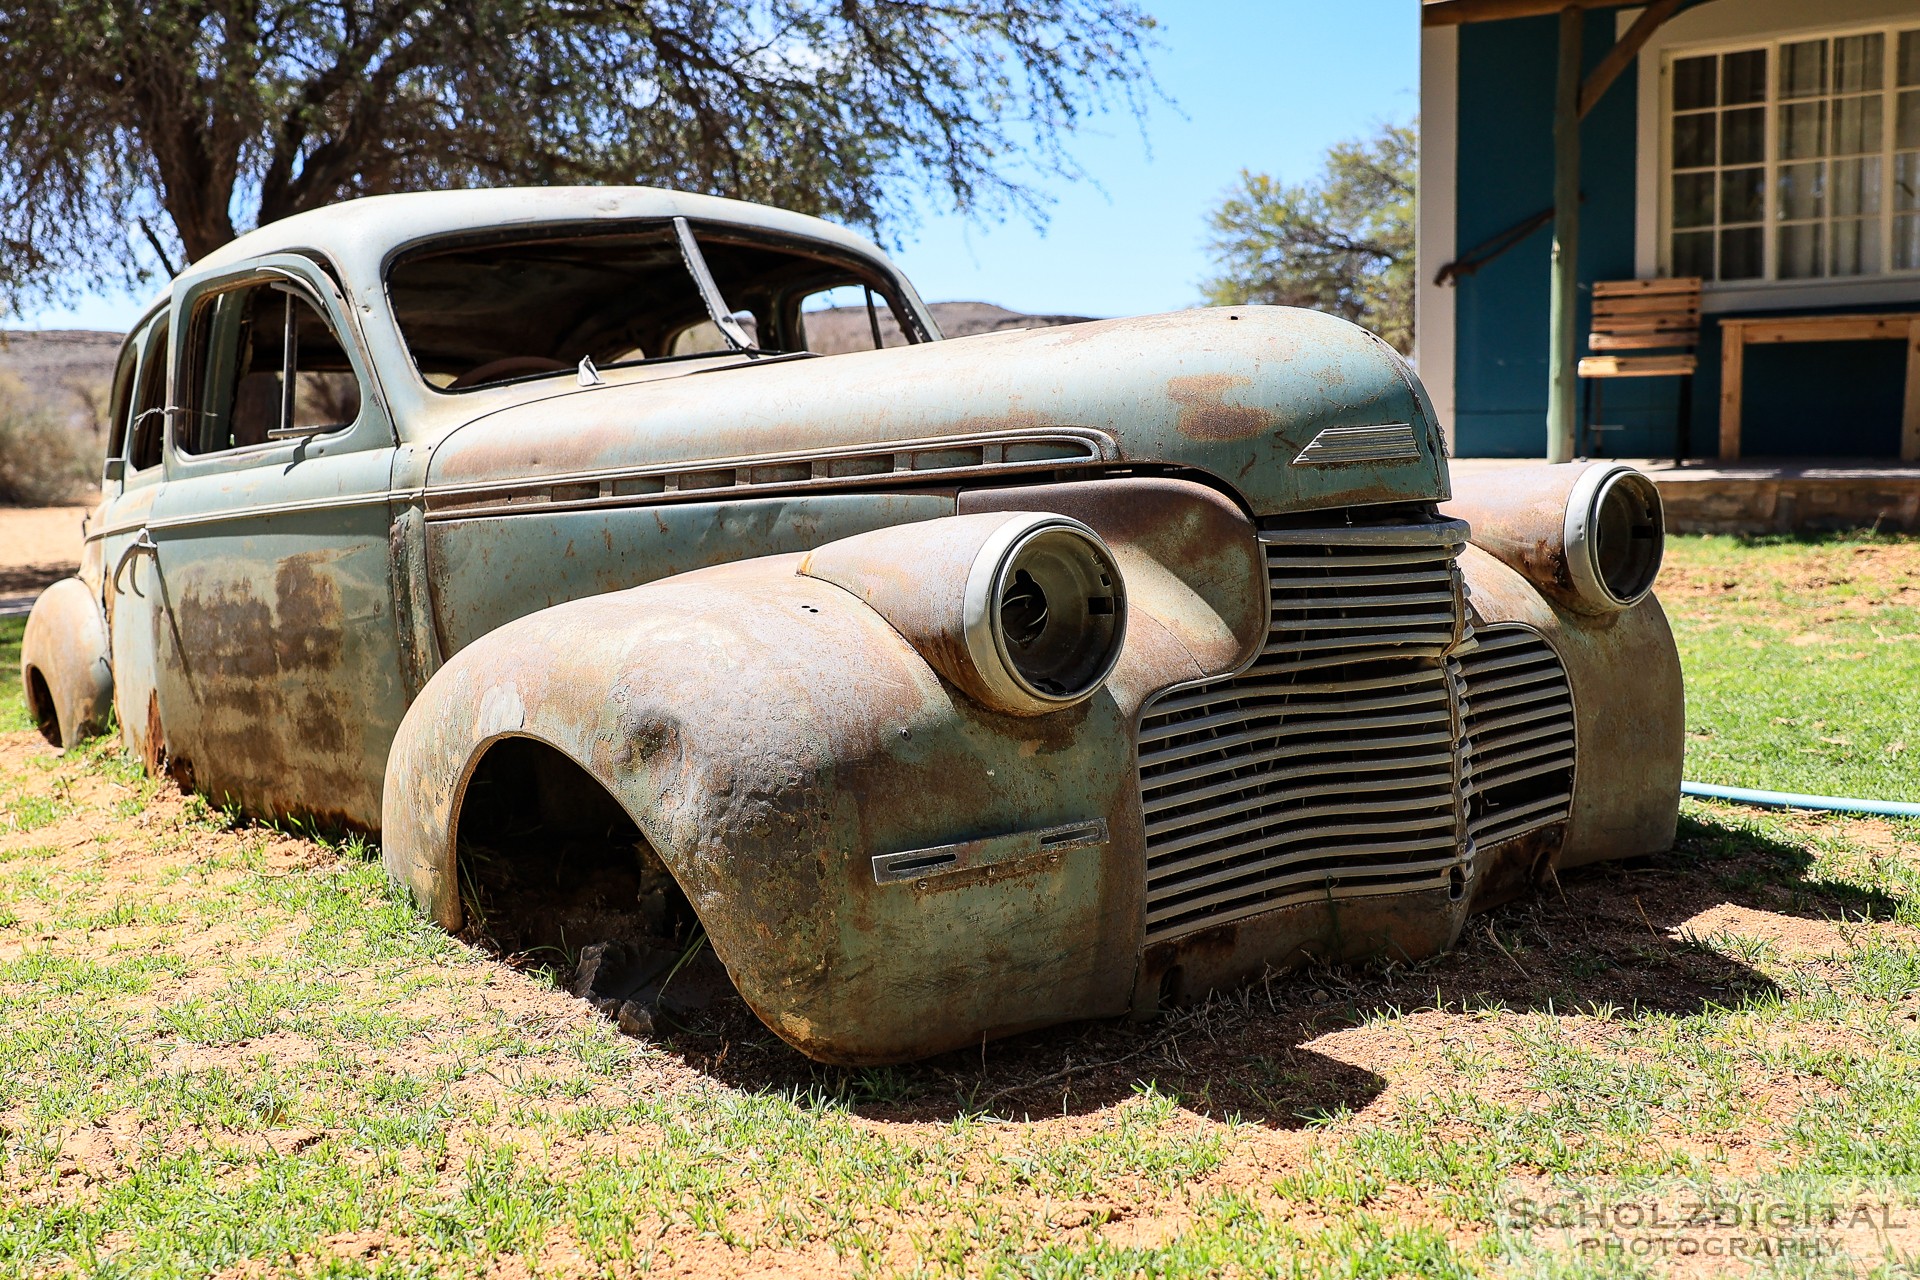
{"x":1645,"y":315}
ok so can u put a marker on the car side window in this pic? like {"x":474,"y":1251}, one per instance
{"x":120,"y":399}
{"x":263,"y":364}
{"x":149,"y":422}
{"x":848,"y":317}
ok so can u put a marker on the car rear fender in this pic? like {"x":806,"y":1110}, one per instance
{"x":64,"y":663}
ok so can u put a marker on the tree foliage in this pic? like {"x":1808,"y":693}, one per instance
{"x":1341,"y":242}
{"x":174,"y":124}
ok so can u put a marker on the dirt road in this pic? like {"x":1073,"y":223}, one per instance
{"x":38,"y":545}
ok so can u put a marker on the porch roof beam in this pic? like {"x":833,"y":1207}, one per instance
{"x":1452,"y":13}
{"x":1624,"y":51}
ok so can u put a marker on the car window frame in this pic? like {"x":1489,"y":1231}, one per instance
{"x":318,"y":286}
{"x":121,"y":395}
{"x":154,"y":335}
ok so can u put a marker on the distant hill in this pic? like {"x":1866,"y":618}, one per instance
{"x":64,"y":371}
{"x":840,"y":329}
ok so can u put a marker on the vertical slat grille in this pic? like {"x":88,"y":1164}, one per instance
{"x":1519,"y":721}
{"x":1328,"y":768}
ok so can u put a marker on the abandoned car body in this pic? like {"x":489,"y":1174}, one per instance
{"x":952,"y":687}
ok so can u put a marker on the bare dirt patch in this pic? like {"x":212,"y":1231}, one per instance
{"x":1844,"y":579}
{"x":38,"y":546}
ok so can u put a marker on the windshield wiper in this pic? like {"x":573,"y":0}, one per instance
{"x":723,"y":320}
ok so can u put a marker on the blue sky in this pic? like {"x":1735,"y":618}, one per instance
{"x":1265,"y":86}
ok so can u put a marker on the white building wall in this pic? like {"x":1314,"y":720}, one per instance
{"x":1435,"y":217}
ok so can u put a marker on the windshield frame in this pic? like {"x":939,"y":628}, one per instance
{"x":892,"y":291}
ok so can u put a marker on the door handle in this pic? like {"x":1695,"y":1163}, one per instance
{"x":143,"y":544}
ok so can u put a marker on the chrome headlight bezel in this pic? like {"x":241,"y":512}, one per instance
{"x":1614,"y":535}
{"x":1083,"y":613}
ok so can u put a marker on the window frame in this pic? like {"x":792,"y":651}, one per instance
{"x":1663,"y":170}
{"x":123,"y":391}
{"x":895,"y":291}
{"x":316,"y":285}
{"x":155,"y":339}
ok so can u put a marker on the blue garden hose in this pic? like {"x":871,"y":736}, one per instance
{"x":1788,"y":800}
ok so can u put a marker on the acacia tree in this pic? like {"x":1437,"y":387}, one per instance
{"x":184,"y":122}
{"x":1341,"y":242}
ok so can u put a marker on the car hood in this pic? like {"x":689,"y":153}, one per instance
{"x":1292,"y":409}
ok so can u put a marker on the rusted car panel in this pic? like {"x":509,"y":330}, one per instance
{"x":486,"y":571}
{"x":1531,"y":568}
{"x":948,"y":688}
{"x":1243,"y":394}
{"x":69,"y":673}
{"x":769,"y":723}
{"x":283,"y":649}
{"x":718,"y":705}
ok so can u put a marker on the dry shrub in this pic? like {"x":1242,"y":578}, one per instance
{"x":43,"y":462}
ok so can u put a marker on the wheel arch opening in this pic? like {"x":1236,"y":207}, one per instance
{"x":545,"y":855}
{"x":554,"y":874}
{"x":40,"y":707}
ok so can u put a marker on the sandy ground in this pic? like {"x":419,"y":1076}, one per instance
{"x":38,"y":545}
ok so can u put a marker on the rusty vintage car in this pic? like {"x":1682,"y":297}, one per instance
{"x":951,"y":687}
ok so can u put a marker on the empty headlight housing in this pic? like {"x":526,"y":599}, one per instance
{"x":1615,"y":535}
{"x":1023,"y":610}
{"x":1044,"y":613}
{"x":1589,"y":535}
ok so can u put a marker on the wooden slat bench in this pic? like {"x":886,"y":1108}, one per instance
{"x":1644,"y":316}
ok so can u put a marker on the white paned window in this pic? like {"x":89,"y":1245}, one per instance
{"x":1794,"y":159}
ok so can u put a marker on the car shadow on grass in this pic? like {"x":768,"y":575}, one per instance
{"x":1624,"y":936}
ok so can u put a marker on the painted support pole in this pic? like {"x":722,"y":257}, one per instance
{"x":1562,"y":400}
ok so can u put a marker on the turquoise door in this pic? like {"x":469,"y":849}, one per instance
{"x":278,"y":674}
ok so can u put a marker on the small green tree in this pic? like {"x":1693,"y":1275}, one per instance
{"x":1341,"y":242}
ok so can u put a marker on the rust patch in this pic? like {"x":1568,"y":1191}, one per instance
{"x":265,"y":721}
{"x":154,"y":747}
{"x":1515,"y":867}
{"x":236,"y":638}
{"x":307,"y":608}
{"x":319,"y":724}
{"x":1162,"y":981}
{"x":1205,"y":413}
{"x":226,"y":635}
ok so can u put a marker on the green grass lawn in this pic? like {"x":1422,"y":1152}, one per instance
{"x":1802,"y":663}
{"x":13,"y":707}
{"x":226,"y":1048}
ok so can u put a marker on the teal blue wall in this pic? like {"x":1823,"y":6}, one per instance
{"x":1834,"y":399}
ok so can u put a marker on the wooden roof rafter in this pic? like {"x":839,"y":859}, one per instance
{"x":1625,"y":50}
{"x":1444,"y":13}
{"x":1452,"y":13}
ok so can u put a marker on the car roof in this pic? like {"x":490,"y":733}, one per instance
{"x":378,"y":225}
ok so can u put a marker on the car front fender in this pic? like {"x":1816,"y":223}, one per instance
{"x":772,"y":737}
{"x":1629,"y":706}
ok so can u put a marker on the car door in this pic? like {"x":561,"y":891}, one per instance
{"x":278,"y":681}
{"x":129,"y":580}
